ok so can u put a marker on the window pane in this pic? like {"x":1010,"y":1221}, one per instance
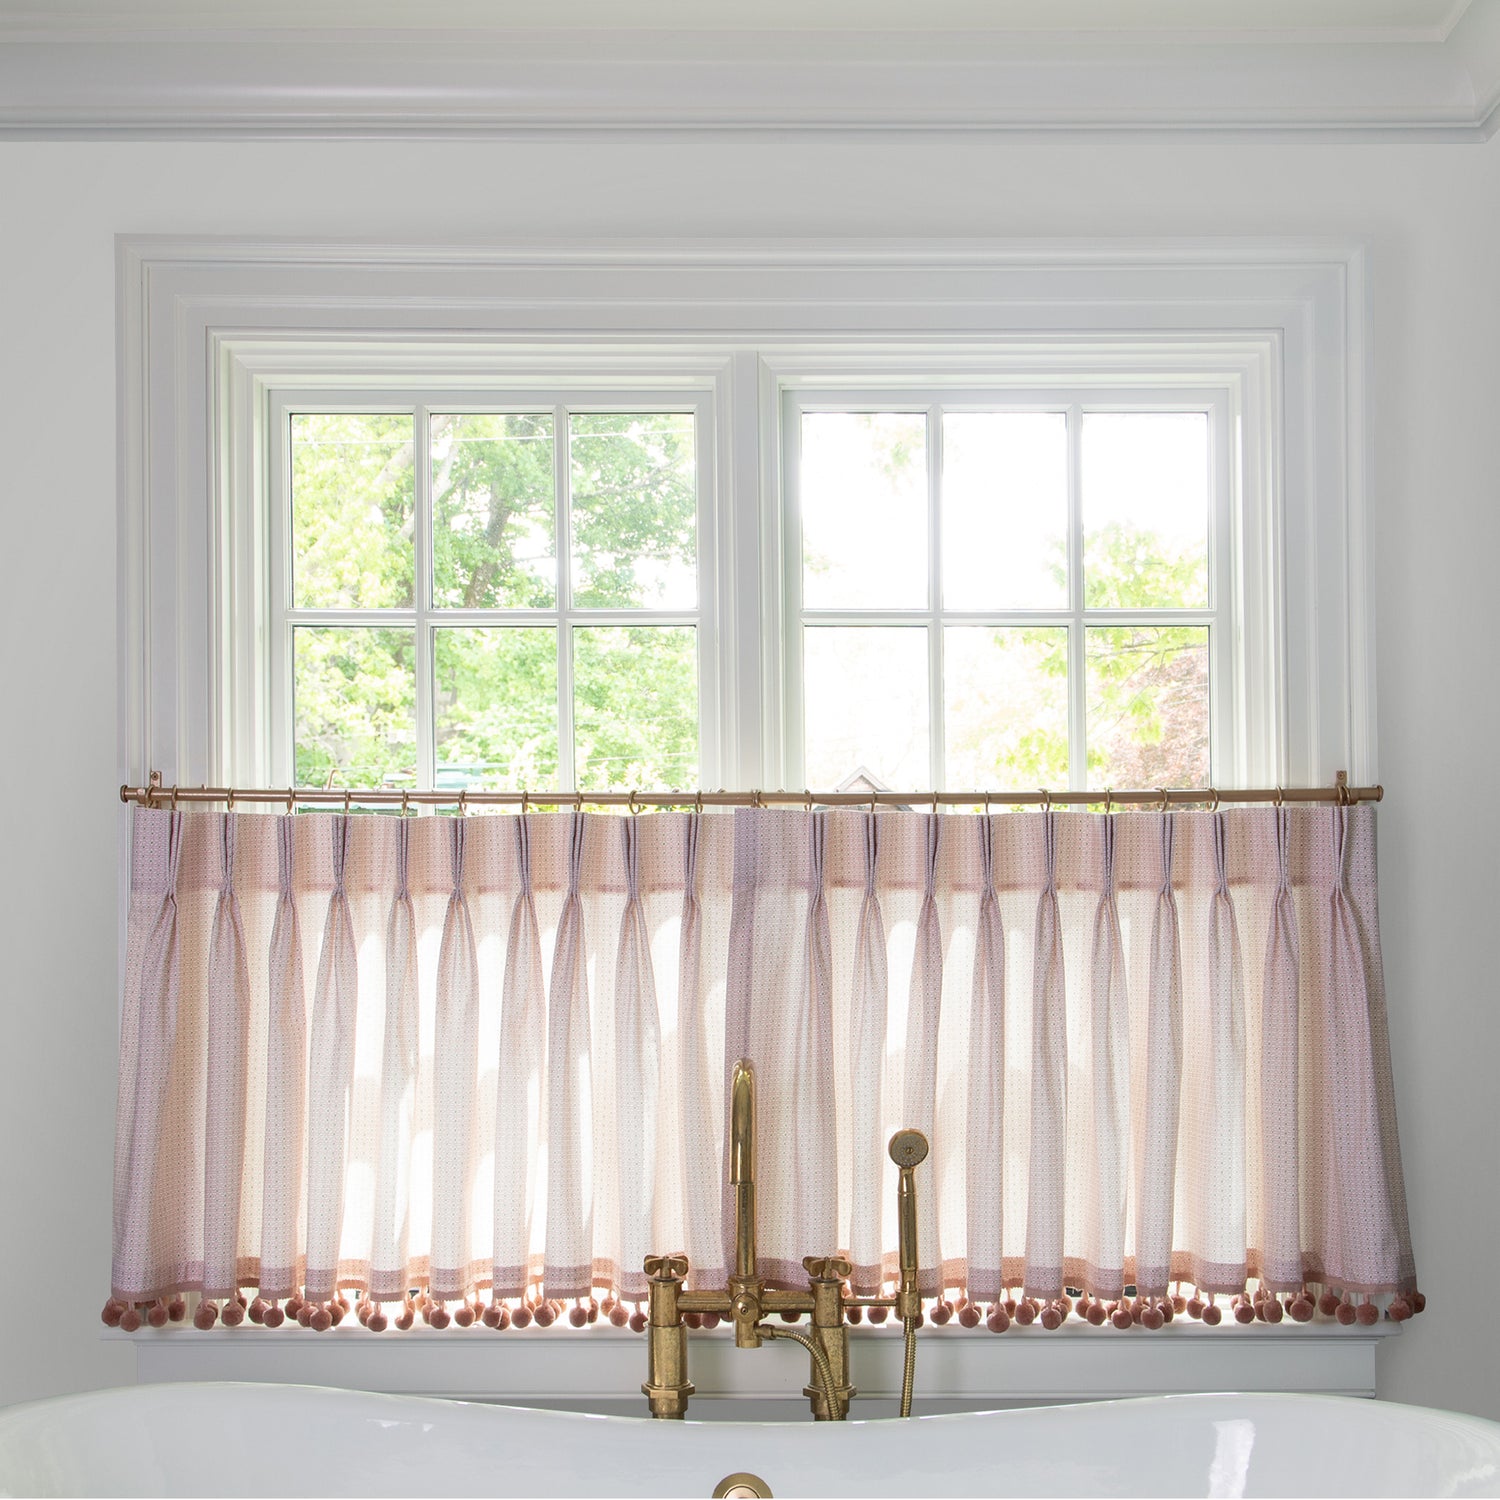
{"x":1148,"y":705}
{"x":1006,"y":707}
{"x":495,"y":705}
{"x":865,"y":690}
{"x":1005,"y":510}
{"x":352,"y":510}
{"x":494,"y":535}
{"x":864,"y":510}
{"x":634,"y":510}
{"x":635,"y":706}
{"x":354,"y":697}
{"x":1145,"y":510}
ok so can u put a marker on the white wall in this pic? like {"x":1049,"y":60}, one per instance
{"x":1432,"y":218}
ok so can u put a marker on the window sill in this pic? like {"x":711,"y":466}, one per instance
{"x":601,"y":1369}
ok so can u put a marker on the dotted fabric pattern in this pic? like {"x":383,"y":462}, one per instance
{"x":490,"y":1055}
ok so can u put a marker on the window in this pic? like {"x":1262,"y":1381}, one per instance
{"x":985,"y":588}
{"x":483,"y":597}
{"x":993,"y":592}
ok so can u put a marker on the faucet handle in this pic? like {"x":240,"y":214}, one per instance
{"x":667,"y":1267}
{"x":827,"y":1267}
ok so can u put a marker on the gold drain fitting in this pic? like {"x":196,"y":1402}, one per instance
{"x":742,"y":1487}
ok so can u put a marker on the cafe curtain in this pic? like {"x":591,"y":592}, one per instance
{"x":474,"y":1069}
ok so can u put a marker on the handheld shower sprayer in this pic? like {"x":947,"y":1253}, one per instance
{"x":908,"y":1149}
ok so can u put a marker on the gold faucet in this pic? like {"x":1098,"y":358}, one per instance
{"x":748,"y":1301}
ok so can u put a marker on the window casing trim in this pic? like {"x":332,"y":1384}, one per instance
{"x":1300,"y":309}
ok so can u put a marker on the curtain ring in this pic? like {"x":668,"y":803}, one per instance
{"x":347,"y":795}
{"x":1163,"y":792}
{"x":934,"y":802}
{"x":806,"y":800}
{"x":1278,"y":799}
{"x":755,"y":797}
{"x":986,"y":804}
{"x":229,"y":799}
{"x":633,"y":808}
{"x":405,"y":801}
{"x":1046,"y":800}
{"x":463,"y":802}
{"x":698,"y":802}
{"x":525,"y":802}
{"x":174,"y":796}
{"x":290,"y":802}
{"x":1214,"y":805}
{"x":1109,"y":800}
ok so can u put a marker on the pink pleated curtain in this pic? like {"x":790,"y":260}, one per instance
{"x":474,"y":1068}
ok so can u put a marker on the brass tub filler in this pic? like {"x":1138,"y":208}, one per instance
{"x":748,"y":1301}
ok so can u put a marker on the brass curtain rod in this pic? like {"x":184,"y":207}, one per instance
{"x":154,"y":794}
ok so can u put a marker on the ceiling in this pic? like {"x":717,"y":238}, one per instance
{"x":1224,"y":20}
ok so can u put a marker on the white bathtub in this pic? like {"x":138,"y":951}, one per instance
{"x":227,"y":1439}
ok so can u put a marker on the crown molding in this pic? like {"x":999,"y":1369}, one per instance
{"x":321,"y":84}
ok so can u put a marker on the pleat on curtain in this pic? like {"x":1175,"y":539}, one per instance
{"x":475,"y":1069}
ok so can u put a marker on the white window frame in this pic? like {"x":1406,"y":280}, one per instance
{"x":277,"y":405}
{"x":1229,"y":643}
{"x":208,"y":327}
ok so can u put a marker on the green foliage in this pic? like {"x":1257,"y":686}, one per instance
{"x":636,"y":706}
{"x":353,"y":506}
{"x":355,"y":707}
{"x":1130,"y":567}
{"x":634,"y":510}
{"x":494,"y":536}
{"x":496,"y":707}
